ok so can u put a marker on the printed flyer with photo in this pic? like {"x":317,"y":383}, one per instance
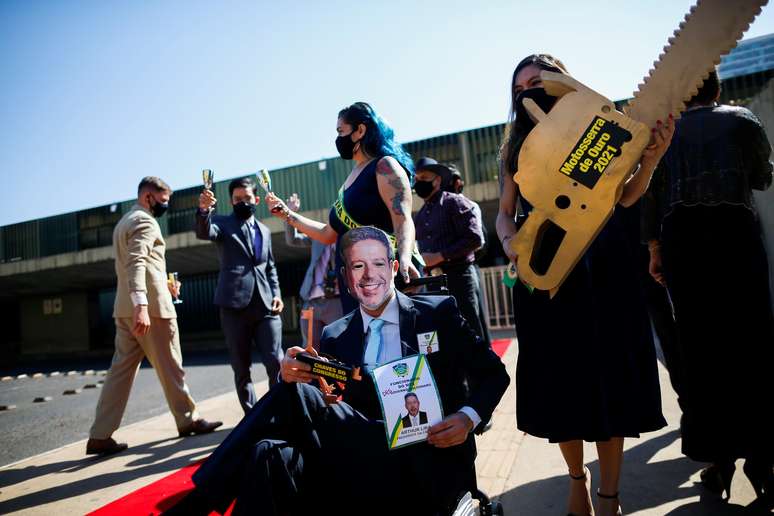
{"x":409,"y":399}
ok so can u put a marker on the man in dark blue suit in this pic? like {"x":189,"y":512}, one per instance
{"x":293,"y":453}
{"x":248,"y":292}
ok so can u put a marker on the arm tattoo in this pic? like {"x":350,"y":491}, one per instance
{"x":384,"y":168}
{"x":397,"y":204}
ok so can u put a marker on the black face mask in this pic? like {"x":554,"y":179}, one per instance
{"x":423,"y":188}
{"x":159,"y":209}
{"x":346,"y":146}
{"x":244,"y":210}
{"x":541,"y":98}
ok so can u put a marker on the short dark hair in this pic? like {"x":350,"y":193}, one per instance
{"x":360,"y":234}
{"x":410,"y":394}
{"x":242,"y":182}
{"x":708,"y":92}
{"x":153,"y":183}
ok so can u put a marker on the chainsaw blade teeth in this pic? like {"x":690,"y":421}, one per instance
{"x":709,"y":30}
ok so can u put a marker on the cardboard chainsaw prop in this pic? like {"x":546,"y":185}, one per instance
{"x":575,"y":161}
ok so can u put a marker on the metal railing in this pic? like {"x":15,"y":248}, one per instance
{"x":497,"y":298}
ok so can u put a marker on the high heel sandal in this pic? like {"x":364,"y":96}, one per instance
{"x":761,"y":476}
{"x":603,"y":496}
{"x":717,"y":477}
{"x":586,"y":478}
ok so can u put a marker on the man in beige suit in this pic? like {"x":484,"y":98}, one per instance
{"x":146,"y":323}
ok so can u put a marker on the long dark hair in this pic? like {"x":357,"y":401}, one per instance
{"x":379,"y":140}
{"x":514,"y":135}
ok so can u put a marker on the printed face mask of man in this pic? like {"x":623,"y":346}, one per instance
{"x":370,"y":274}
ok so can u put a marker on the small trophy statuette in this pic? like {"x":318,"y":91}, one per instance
{"x":208,"y":177}
{"x":172,"y":280}
{"x":264,"y":180}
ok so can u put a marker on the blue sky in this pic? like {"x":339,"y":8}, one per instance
{"x":97,"y":94}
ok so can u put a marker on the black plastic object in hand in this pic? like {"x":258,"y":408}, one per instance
{"x":434,"y":284}
{"x":331,"y":370}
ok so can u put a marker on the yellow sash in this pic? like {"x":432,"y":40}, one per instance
{"x":348,"y":221}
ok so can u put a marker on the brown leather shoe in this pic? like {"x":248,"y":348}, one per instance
{"x":104,"y":446}
{"x":200,"y":426}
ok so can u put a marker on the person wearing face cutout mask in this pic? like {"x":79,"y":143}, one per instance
{"x":146,"y":323}
{"x":296,"y":454}
{"x":448,"y":235}
{"x":248,"y":292}
{"x":586,"y":369}
{"x":377,"y":192}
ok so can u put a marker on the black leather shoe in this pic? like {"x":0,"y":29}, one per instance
{"x":200,"y":426}
{"x":104,"y":446}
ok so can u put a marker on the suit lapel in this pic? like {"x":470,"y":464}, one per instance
{"x":265,"y":236}
{"x":354,"y":339}
{"x":239,"y":235}
{"x":408,"y":318}
{"x":248,"y":239}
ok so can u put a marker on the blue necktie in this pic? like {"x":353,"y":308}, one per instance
{"x":374,"y":344}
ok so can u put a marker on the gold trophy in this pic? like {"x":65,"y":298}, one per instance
{"x":264,"y":181}
{"x":172,"y":280}
{"x":208,"y":177}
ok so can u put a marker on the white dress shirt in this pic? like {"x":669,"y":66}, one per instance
{"x":391,"y":347}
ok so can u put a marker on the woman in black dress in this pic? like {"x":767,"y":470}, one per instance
{"x":701,"y":225}
{"x":376,"y":193}
{"x":587,"y":368}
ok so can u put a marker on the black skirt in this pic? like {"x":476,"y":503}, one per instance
{"x":587,"y":365}
{"x":717,"y":273}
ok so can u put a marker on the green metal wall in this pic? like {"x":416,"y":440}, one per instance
{"x":474,"y":152}
{"x":317,"y":182}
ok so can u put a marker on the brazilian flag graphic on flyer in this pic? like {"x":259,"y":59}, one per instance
{"x":409,"y":399}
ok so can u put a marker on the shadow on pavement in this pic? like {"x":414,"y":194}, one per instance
{"x":46,"y":366}
{"x":152,"y":458}
{"x":644,"y":485}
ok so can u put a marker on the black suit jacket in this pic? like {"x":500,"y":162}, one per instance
{"x":422,"y":419}
{"x":460,"y":356}
{"x":242,"y":268}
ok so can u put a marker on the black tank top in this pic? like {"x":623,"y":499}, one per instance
{"x":363,"y":203}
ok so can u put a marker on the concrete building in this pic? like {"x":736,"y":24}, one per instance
{"x":57,"y":282}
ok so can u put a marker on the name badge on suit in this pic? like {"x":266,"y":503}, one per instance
{"x":428,"y":342}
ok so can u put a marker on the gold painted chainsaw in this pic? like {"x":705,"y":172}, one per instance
{"x":574,"y":163}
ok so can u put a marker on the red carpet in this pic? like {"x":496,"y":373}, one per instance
{"x":162,"y":494}
{"x":500,"y":346}
{"x":155,"y":498}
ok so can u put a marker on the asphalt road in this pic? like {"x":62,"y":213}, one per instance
{"x":33,"y":428}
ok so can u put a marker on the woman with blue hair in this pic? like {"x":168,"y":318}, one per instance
{"x":377,"y":191}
